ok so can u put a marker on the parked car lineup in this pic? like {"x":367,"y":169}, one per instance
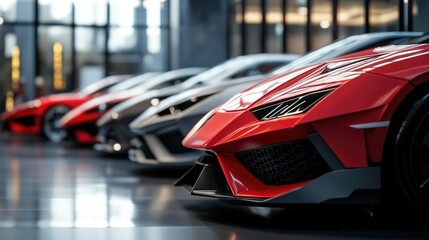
{"x":80,"y":122}
{"x":42,"y":114}
{"x":160,"y":129}
{"x":347,"y":123}
{"x":114,"y":133}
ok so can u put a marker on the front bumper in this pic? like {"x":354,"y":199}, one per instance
{"x":114,"y":138}
{"x":356,"y":186}
{"x":161,"y":143}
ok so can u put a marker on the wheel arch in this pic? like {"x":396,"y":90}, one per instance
{"x":43,"y":116}
{"x":399,"y":114}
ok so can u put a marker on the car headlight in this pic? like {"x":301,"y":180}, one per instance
{"x":34,"y":103}
{"x":290,"y":107}
{"x":177,"y":108}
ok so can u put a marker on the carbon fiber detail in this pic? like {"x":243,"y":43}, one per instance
{"x":284,"y":163}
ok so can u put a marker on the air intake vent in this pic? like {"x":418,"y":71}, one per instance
{"x":284,"y":163}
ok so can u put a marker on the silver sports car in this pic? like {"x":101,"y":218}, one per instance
{"x":114,"y":134}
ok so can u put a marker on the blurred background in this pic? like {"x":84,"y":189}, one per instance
{"x":50,"y":46}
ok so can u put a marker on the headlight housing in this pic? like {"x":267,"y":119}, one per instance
{"x":177,"y":108}
{"x":34,"y":103}
{"x":288,"y":107}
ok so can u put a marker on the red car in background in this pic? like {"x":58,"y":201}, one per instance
{"x":351,"y":130}
{"x":41,"y":115}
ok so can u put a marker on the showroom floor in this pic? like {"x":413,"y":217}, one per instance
{"x":63,"y":191}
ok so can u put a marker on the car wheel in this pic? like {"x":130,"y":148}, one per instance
{"x":411,"y":156}
{"x":50,"y":125}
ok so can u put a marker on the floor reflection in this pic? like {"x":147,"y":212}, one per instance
{"x":66,"y":191}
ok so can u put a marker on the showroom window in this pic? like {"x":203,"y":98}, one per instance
{"x":63,"y":45}
{"x":351,"y":18}
{"x":384,"y":15}
{"x":274,"y":30}
{"x":253,"y":30}
{"x":295,"y":28}
{"x":300,"y":26}
{"x":419,"y":19}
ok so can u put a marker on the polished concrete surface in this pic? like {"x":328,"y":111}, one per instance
{"x":64,"y":191}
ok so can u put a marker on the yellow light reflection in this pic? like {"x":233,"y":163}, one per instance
{"x":350,"y":16}
{"x":15,"y":65}
{"x":9,"y":101}
{"x":59,"y":83}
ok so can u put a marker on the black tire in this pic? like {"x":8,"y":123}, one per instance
{"x":411,"y":157}
{"x":50,"y":124}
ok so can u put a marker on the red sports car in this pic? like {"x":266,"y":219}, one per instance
{"x":42,"y":114}
{"x":354,"y":129}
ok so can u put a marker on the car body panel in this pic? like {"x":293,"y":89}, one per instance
{"x":27,"y":117}
{"x":149,"y":123}
{"x":349,"y":123}
{"x":81,"y":120}
{"x":231,"y":72}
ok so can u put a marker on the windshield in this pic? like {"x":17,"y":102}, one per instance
{"x":102,"y":85}
{"x":213,"y":72}
{"x":132,"y":82}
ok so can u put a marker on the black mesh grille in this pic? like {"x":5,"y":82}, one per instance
{"x":284,"y":163}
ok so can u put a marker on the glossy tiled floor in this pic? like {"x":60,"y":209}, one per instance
{"x":63,"y":191}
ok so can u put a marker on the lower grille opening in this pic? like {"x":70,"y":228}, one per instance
{"x":26,"y":121}
{"x":284,"y":163}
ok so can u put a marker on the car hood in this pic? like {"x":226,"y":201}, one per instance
{"x":136,"y":105}
{"x":312,"y":78}
{"x":45,"y":101}
{"x":96,"y":102}
{"x":154,"y":113}
{"x":381,"y":72}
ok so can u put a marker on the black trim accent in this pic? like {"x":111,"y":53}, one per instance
{"x":325,"y":151}
{"x":308,"y":28}
{"x":334,"y":19}
{"x":243,"y":27}
{"x":410,"y":19}
{"x":263,"y":44}
{"x":401,"y":10}
{"x":346,"y":186}
{"x":205,"y":178}
{"x":72,"y":84}
{"x":366,"y":10}
{"x":339,"y":185}
{"x":284,"y":37}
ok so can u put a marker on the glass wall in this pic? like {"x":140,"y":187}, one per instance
{"x":75,"y":42}
{"x":384,"y":15}
{"x":139,"y":36}
{"x":236,"y":20}
{"x":300,"y":26}
{"x":54,"y":11}
{"x":351,"y":18}
{"x":295,"y":30}
{"x":420,"y":17}
{"x":17,"y":11}
{"x":17,"y":65}
{"x":90,"y":62}
{"x":321,"y":23}
{"x":253,"y":30}
{"x":274,"y":18}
